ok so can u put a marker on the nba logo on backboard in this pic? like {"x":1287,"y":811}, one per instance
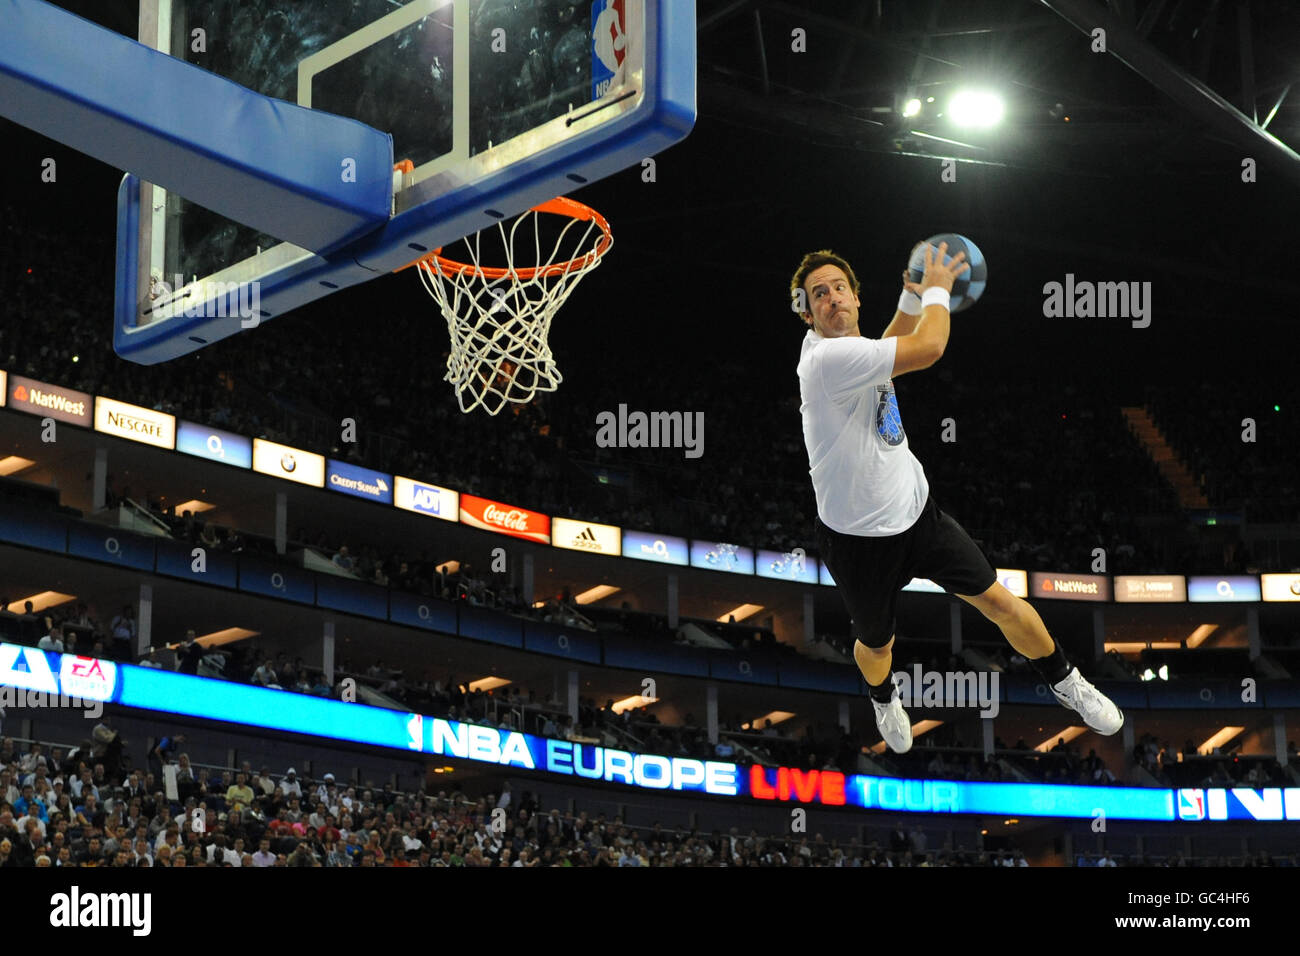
{"x":1191,"y":804}
{"x":608,"y":45}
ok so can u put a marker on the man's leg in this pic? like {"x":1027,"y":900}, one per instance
{"x":892,"y":721}
{"x":1025,"y":631}
{"x":875,"y":663}
{"x":1017,"y":619}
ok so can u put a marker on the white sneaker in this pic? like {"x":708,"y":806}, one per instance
{"x":1096,"y":709}
{"x":893,"y":724}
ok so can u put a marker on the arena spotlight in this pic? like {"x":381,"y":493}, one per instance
{"x":912,"y":107}
{"x":976,"y":109}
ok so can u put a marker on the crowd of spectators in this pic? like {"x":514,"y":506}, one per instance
{"x":1027,"y":508}
{"x":90,"y":807}
{"x":81,"y":809}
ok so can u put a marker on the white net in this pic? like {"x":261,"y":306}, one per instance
{"x":499,"y":319}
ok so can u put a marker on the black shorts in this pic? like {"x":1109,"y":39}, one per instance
{"x":871,"y":571}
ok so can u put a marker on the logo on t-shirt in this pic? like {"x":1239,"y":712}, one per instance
{"x":889,"y":423}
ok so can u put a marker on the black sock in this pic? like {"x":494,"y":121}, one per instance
{"x":883,"y":692}
{"x":1053,"y":668}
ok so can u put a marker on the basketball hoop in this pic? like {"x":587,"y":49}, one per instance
{"x":499,"y":318}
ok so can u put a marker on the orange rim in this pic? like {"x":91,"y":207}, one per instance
{"x":560,"y":206}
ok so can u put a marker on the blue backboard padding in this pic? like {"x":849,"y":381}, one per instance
{"x":665,"y":117}
{"x":272,"y":165}
{"x":280,"y":291}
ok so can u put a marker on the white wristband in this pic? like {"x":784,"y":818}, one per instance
{"x":935,"y":296}
{"x":909,"y":303}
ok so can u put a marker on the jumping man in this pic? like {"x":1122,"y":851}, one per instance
{"x":877,"y":524}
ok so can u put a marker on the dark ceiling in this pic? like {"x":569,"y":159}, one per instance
{"x":794,"y":151}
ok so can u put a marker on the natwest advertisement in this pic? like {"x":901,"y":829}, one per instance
{"x":505,"y":519}
{"x":38,"y":398}
{"x":1069,"y":587}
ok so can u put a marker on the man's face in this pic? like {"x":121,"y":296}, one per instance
{"x":831,"y":302}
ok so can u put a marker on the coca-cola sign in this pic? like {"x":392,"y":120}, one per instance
{"x":505,"y":519}
{"x":514,"y":519}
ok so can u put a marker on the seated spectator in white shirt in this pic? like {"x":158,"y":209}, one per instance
{"x":219,"y":854}
{"x":290,"y":784}
{"x":52,"y":641}
{"x":323,"y":794}
{"x":265,"y":675}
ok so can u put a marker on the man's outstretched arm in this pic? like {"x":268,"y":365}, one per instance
{"x":901,"y":324}
{"x":904,"y":323}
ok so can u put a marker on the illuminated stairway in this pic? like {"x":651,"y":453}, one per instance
{"x":1162,"y":453}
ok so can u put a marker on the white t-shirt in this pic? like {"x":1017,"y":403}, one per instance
{"x":866,"y":479}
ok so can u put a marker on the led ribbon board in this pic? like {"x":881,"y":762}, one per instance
{"x":32,"y":677}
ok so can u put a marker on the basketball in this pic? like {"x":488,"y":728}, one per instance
{"x":969,"y":286}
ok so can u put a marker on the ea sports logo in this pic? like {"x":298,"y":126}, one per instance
{"x":287,"y":462}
